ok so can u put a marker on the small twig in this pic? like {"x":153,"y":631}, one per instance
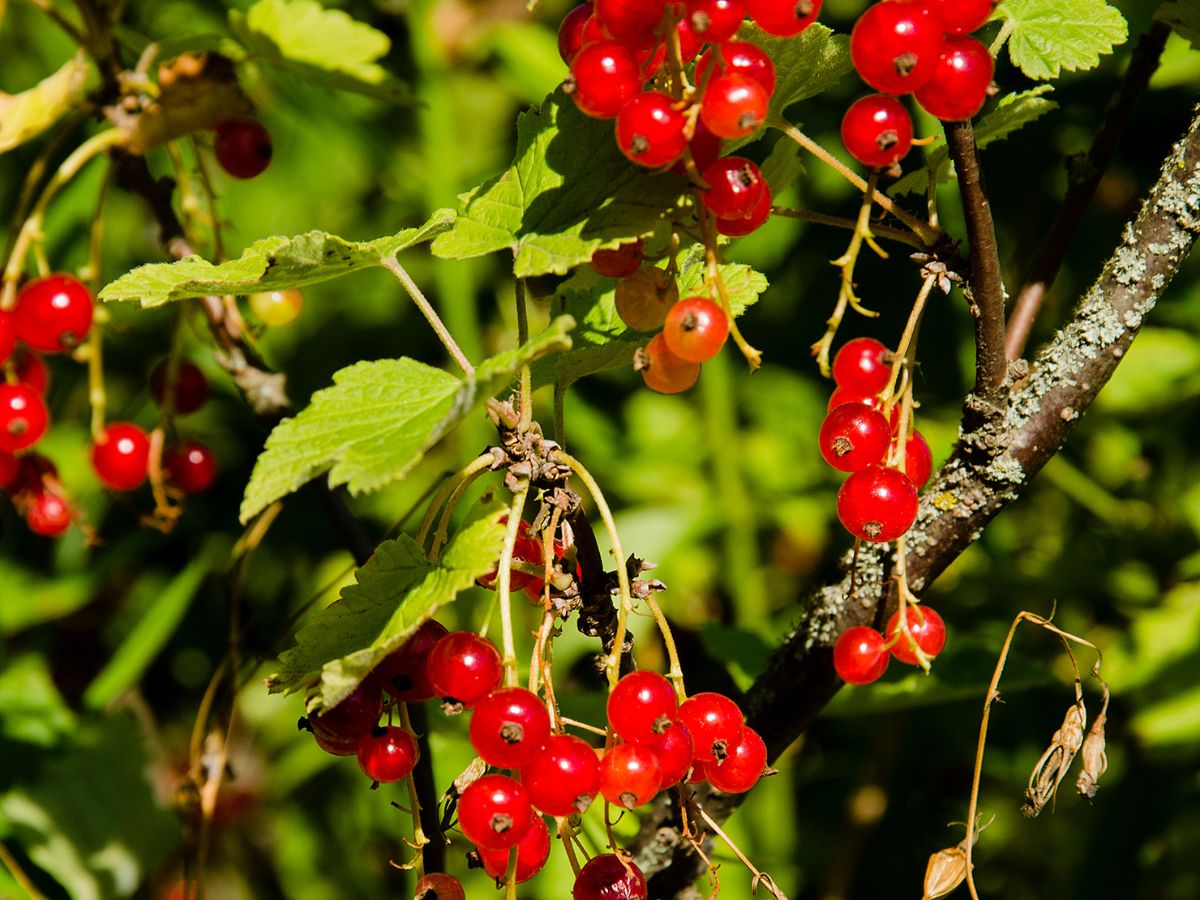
{"x":759,"y":877}
{"x":880,"y":231}
{"x":504,"y":584}
{"x":435,"y":322}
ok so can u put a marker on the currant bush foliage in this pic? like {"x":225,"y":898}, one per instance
{"x":1046,"y":37}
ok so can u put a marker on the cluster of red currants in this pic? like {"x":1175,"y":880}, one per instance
{"x":922,"y":47}
{"x":861,"y":654}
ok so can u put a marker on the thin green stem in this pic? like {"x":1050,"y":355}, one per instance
{"x":469,"y":471}
{"x":504,"y":585}
{"x":466,"y":478}
{"x":419,"y":839}
{"x":904,"y":352}
{"x":435,"y":322}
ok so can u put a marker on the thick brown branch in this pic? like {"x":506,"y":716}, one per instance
{"x":1084,"y":175}
{"x":967,"y":493}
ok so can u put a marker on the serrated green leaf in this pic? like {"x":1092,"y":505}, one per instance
{"x":270,"y":264}
{"x":742,"y":283}
{"x":1184,"y":19}
{"x":568,"y":193}
{"x":1047,"y":36}
{"x":805,"y":65}
{"x":1012,"y":113}
{"x":25,"y":115}
{"x":394,"y":593}
{"x":379,"y":419}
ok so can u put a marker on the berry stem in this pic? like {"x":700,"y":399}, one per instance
{"x":716,"y":282}
{"x":414,"y":803}
{"x":462,"y":481}
{"x":760,"y":878}
{"x":904,"y":352}
{"x":435,"y":322}
{"x":504,"y":581}
{"x":97,"y":397}
{"x":879,"y":231}
{"x":567,"y":836}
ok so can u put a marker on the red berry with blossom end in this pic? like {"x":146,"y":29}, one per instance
{"x":620,"y":262}
{"x":960,"y":81}
{"x":440,"y":886}
{"x":604,"y":77}
{"x":464,"y":667}
{"x":641,"y":707}
{"x":961,"y":16}
{"x":853,"y":437}
{"x":630,"y":775}
{"x":735,"y":187}
{"x":733,"y":106}
{"x":564,"y":777}
{"x":927,"y":628}
{"x":783,"y":18}
{"x":877,"y":130}
{"x":402,"y":672}
{"x":862,"y":365}
{"x":715,"y":723}
{"x":191,"y":387}
{"x":509,"y":727}
{"x":877,"y":504}
{"x":696,"y":329}
{"x":388,"y":754}
{"x":607,"y":877}
{"x":860,"y":655}
{"x":632,"y":22}
{"x":494,"y":812}
{"x":757,"y":218}
{"x":48,"y":513}
{"x":243,"y":147}
{"x":532,"y":852}
{"x":715,"y":21}
{"x":30,"y":369}
{"x":918,"y":460}
{"x":8,"y":334}
{"x":895,"y":45}
{"x":23,"y":417}
{"x":675,"y":751}
{"x":743,"y":767}
{"x":121,"y":456}
{"x":842,"y":396}
{"x":741,"y":57}
{"x":53,"y":314}
{"x":665,"y":372}
{"x":650,"y":130}
{"x":190,"y":466}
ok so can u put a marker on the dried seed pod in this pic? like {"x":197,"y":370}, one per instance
{"x":1095,"y":759}
{"x":1052,"y":768}
{"x":947,"y":869}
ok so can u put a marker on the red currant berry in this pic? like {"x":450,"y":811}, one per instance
{"x":23,"y":417}
{"x":859,"y":656}
{"x":388,"y":754}
{"x":335,"y":746}
{"x":532,"y":852}
{"x":564,"y":777}
{"x":696,"y":329}
{"x":243,"y":147}
{"x":961,"y":16}
{"x":190,"y":466}
{"x":690,"y":43}
{"x":608,"y":877}
{"x":752,"y":222}
{"x":675,"y":751}
{"x":877,"y":504}
{"x":650,"y":130}
{"x":604,"y":77}
{"x":191,"y":387}
{"x":735,"y":187}
{"x":927,"y":629}
{"x":8,"y":334}
{"x":895,"y":45}
{"x":705,"y":147}
{"x":621,"y":262}
{"x":862,"y":365}
{"x":715,"y":723}
{"x":439,"y":886}
{"x":351,"y":720}
{"x":48,"y":513}
{"x":644,"y":298}
{"x":918,"y":460}
{"x":664,"y":371}
{"x":494,"y":812}
{"x":509,"y":727}
{"x":277,"y":308}
{"x":632,"y":22}
{"x":574,"y":31}
{"x":741,"y":57}
{"x":403,"y":672}
{"x":31,"y":370}
{"x":34,"y":474}
{"x":641,"y":707}
{"x":464,"y":667}
{"x":53,"y":314}
{"x":877,"y":130}
{"x":853,"y":437}
{"x":960,"y":81}
{"x":121,"y":456}
{"x":742,"y":768}
{"x":783,"y":18}
{"x":527,"y":549}
{"x":630,"y":775}
{"x":715,"y":21}
{"x":841,"y":396}
{"x":733,"y":106}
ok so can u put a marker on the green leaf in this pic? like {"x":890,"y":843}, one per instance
{"x":25,"y":115}
{"x":805,"y":65}
{"x":1047,"y":36}
{"x":568,"y":193}
{"x":1184,"y":19}
{"x":379,"y":419}
{"x":270,"y":264}
{"x":783,"y":166}
{"x":394,"y":593}
{"x":31,"y":709}
{"x":31,"y":599}
{"x":742,"y":283}
{"x":1013,"y":112}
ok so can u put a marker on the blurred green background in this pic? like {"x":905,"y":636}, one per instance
{"x":107,"y":650}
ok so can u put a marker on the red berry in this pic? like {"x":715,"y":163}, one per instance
{"x":859,"y":656}
{"x":644,"y":298}
{"x":607,"y":877}
{"x":48,"y":513}
{"x":632,"y":22}
{"x":243,"y":147}
{"x":666,"y":372}
{"x":34,"y":474}
{"x":191,"y":387}
{"x":509,"y":727}
{"x":630,"y":775}
{"x":403,"y":672}
{"x":895,"y":45}
{"x":121,"y":456}
{"x":752,"y":222}
{"x":675,"y":751}
{"x":8,"y":334}
{"x":576,"y":27}
{"x":960,"y":81}
{"x":439,"y":886}
{"x":641,"y":707}
{"x":527,"y":549}
{"x":464,"y":667}
{"x":336,"y":746}
{"x":650,"y":130}
{"x":705,"y":147}
{"x":621,"y":262}
{"x":564,"y":777}
{"x":190,"y":466}
{"x":743,"y":767}
{"x":927,"y":629}
{"x":53,"y":314}
{"x":696,"y":329}
{"x":862,"y":365}
{"x":741,"y":57}
{"x":733,"y":106}
{"x":494,"y":812}
{"x":877,"y":504}
{"x":961,"y":16}
{"x":841,"y":396}
{"x":715,"y":723}
{"x":783,"y":17}
{"x":918,"y":460}
{"x":690,"y":43}
{"x":31,"y":370}
{"x":877,"y":130}
{"x":715,"y":21}
{"x":853,"y":437}
{"x":23,"y":417}
{"x":532,"y":852}
{"x":351,"y":720}
{"x":604,"y":77}
{"x":735,"y":187}
{"x":388,"y":754}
